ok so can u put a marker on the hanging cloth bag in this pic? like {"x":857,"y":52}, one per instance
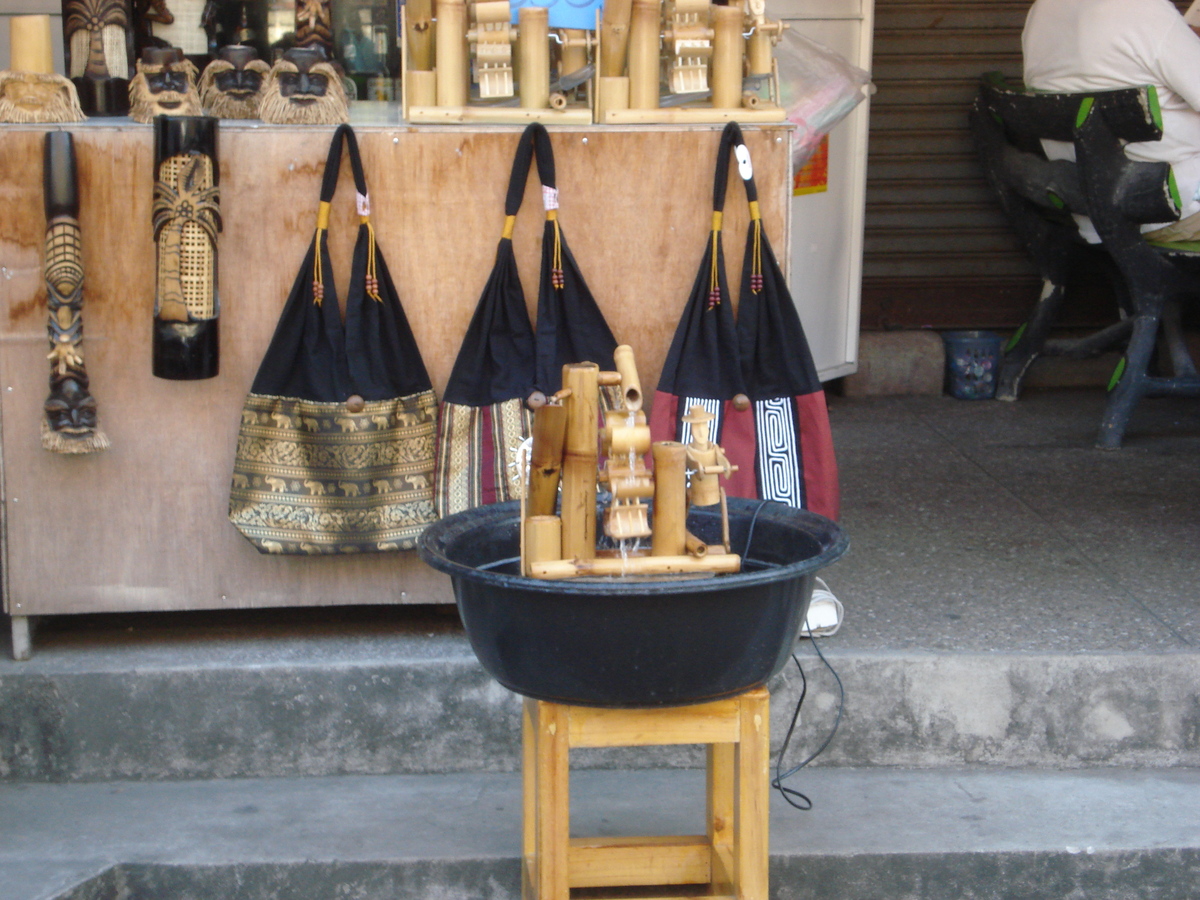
{"x":501,"y":363}
{"x":336,"y":448}
{"x":756,"y":379}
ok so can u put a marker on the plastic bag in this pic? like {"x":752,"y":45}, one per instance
{"x":817,"y":87}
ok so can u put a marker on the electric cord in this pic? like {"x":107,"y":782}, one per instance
{"x":794,"y":797}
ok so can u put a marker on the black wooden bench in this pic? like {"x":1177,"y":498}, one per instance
{"x":1118,"y":195}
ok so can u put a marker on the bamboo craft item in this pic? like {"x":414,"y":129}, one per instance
{"x":566,"y":438}
{"x":30,"y":90}
{"x":187,"y":220}
{"x":69,"y":421}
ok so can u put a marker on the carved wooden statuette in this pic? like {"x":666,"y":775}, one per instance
{"x":69,"y":423}
{"x":232,"y":85}
{"x":304,"y":89}
{"x":165,"y":85}
{"x":31,"y":91}
{"x":314,"y":25}
{"x":187,"y":220}
{"x":98,"y":38}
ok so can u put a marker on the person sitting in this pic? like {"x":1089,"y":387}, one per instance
{"x":1089,"y":45}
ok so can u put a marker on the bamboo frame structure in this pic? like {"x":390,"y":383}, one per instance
{"x":567,"y":439}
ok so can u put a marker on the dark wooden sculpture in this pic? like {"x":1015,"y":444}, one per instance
{"x":69,"y":424}
{"x":187,"y":220}
{"x":98,"y":37}
{"x":304,"y":89}
{"x":314,"y":25}
{"x":232,"y":85}
{"x":165,"y":85}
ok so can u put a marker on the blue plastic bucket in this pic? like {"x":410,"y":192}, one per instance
{"x":972,"y":364}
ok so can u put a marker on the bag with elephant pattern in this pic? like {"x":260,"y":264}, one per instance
{"x":335,"y":453}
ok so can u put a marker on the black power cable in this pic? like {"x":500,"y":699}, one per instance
{"x":795,"y":798}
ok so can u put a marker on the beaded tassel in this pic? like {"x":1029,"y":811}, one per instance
{"x":318,"y":281}
{"x":372,"y":283}
{"x":714,"y":282}
{"x":556,"y":272}
{"x":756,"y":276}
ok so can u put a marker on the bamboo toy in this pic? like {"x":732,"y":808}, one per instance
{"x":478,"y":37}
{"x":566,"y":439}
{"x":705,"y":53}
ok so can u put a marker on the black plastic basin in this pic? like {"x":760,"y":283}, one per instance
{"x":629,"y":642}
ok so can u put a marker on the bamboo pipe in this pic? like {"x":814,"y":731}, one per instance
{"x":453,"y":75}
{"x":758,"y":51}
{"x":670,"y":499}
{"x":644,"y":54}
{"x":422,"y":87}
{"x":498,"y":115}
{"x":419,"y":26}
{"x":614,"y":37}
{"x":574,"y":51}
{"x":725,"y":74}
{"x":631,"y":384}
{"x":533,"y":43}
{"x":714,"y":563}
{"x":579,"y":460}
{"x":545,"y":463}
{"x":695,"y":546}
{"x":766,"y":113}
{"x":543,"y":540}
{"x":29,"y":45}
{"x":612,"y":95}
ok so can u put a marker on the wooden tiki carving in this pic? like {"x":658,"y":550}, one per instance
{"x":69,"y":423}
{"x":187,"y":220}
{"x":98,"y":38}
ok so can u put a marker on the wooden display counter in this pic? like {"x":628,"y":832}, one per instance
{"x":142,"y":526}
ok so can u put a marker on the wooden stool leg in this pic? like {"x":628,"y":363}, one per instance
{"x":552,"y":831}
{"x":529,"y":787}
{"x":721,"y":812}
{"x":753,"y":764}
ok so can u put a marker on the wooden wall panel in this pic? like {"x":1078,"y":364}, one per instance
{"x":143,"y":525}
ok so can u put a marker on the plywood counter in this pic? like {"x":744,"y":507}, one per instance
{"x":142,"y":526}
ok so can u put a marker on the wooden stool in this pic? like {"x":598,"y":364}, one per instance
{"x":731,"y":858}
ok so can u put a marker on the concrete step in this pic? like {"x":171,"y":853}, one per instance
{"x":391,"y":695}
{"x":872,"y":833}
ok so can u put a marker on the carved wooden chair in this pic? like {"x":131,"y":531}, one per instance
{"x":1118,"y":194}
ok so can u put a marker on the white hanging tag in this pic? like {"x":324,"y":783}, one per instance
{"x":363,"y":202}
{"x":745,"y":168}
{"x":549,"y":198}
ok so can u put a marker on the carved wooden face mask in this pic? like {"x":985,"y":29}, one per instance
{"x":232,"y":85}
{"x":304,"y":89}
{"x":38,"y":97}
{"x":165,"y":85}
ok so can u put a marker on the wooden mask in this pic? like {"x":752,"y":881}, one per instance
{"x":233,"y":84}
{"x":165,"y":85}
{"x":304,"y":89}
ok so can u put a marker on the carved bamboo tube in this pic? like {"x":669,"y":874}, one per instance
{"x":533,"y":40}
{"x":728,"y":48}
{"x":579,"y":461}
{"x":644,"y":54}
{"x":545,"y":463}
{"x":451,"y":47}
{"x":670,"y":499}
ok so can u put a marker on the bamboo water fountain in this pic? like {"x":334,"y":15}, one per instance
{"x":567,"y":445}
{"x":711,"y":608}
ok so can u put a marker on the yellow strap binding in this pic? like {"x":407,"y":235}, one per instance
{"x":510,"y":223}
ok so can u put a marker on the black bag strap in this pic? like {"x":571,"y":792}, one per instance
{"x":535,"y":141}
{"x":333,"y":164}
{"x":731,"y":139}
